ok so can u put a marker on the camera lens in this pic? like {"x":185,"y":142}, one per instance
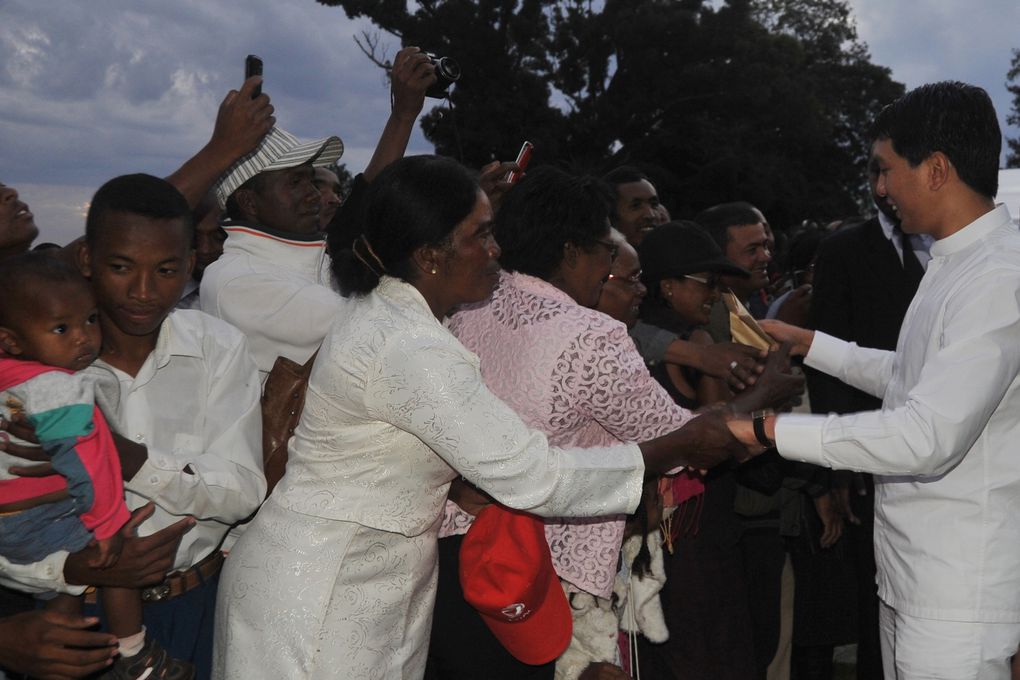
{"x":448,"y":68}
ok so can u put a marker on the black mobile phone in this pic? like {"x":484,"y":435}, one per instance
{"x":253,"y":67}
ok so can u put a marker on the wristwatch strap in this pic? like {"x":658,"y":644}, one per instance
{"x":758,"y":419}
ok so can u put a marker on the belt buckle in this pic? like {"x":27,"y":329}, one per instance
{"x":156,"y":593}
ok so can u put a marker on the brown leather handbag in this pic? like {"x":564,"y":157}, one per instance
{"x":283,"y":399}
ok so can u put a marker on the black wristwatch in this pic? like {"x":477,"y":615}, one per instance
{"x":758,"y":418}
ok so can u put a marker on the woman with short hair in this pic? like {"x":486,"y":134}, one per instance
{"x":574,"y":374}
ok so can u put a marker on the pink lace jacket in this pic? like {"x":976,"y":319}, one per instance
{"x":574,"y":374}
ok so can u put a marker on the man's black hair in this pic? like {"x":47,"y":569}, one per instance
{"x":952,"y":117}
{"x":138,"y":194}
{"x":622,"y":174}
{"x":718,"y":219}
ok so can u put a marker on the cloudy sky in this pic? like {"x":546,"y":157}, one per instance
{"x":90,"y":90}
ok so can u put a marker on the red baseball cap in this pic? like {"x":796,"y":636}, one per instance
{"x":506,"y":573}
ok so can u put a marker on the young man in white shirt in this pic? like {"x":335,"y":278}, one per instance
{"x":188,"y":417}
{"x":189,"y":403}
{"x":943,"y":444}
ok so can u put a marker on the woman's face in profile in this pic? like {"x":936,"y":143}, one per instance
{"x":472,"y":265}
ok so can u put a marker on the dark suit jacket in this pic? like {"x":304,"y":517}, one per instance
{"x":860,"y":294}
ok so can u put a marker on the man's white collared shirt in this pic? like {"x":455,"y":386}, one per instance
{"x":946,"y":443}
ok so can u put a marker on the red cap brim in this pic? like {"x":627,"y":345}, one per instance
{"x":544,"y":635}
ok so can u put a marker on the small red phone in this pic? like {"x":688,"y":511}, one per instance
{"x":523,"y":158}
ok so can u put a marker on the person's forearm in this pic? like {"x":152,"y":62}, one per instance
{"x":411,"y":75}
{"x":701,"y":443}
{"x":683,"y":353}
{"x":392,"y":143}
{"x":241,"y":122}
{"x":200,"y":172}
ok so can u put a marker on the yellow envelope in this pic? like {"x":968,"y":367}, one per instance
{"x":743,"y":328}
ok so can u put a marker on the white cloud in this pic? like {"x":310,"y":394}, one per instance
{"x":92,"y":90}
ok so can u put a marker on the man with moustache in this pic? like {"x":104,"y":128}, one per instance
{"x":330,"y":195}
{"x":742,"y":232}
{"x":272,"y":280}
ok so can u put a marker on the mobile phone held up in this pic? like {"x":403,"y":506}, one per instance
{"x":523,"y":158}
{"x":253,"y":67}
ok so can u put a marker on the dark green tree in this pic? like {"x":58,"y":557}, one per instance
{"x":735,"y":103}
{"x":1013,"y":85}
{"x":503,"y":95}
{"x":763,"y":100}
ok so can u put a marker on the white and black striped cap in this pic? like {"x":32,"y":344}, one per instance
{"x":278,"y":150}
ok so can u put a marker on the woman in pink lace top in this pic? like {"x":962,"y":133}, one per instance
{"x":568,"y":371}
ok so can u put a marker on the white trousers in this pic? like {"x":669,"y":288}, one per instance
{"x":927,"y":649}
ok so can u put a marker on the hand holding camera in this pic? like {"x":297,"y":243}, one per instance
{"x":411,"y":76}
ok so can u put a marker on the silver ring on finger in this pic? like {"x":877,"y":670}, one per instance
{"x":733,"y":365}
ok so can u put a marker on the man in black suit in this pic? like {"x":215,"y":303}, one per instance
{"x":865,"y":277}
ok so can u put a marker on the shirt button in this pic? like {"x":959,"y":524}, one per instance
{"x":139,"y":437}
{"x":154,"y":480}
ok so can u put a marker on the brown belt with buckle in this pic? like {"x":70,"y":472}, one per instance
{"x":177,"y":583}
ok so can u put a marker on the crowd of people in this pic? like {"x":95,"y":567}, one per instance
{"x":548,"y":431}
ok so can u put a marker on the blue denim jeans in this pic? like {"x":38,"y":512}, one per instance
{"x":32,"y":535}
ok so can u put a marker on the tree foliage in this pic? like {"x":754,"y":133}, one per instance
{"x":762,"y":100}
{"x":1013,"y":85}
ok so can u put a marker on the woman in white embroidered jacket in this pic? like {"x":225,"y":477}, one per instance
{"x":338,"y":569}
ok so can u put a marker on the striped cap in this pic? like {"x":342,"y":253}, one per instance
{"x":278,"y":150}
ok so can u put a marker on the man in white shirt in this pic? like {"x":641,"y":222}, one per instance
{"x":189,"y":399}
{"x":863,"y":283}
{"x":947,"y":515}
{"x":188,"y":419}
{"x":273,"y":280}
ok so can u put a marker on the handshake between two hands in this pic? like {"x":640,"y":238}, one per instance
{"x":751,"y":419}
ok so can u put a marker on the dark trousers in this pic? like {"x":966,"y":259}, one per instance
{"x":764,"y":556}
{"x":862,"y":541}
{"x":706,"y":608}
{"x":461,"y":645}
{"x":183,"y":625}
